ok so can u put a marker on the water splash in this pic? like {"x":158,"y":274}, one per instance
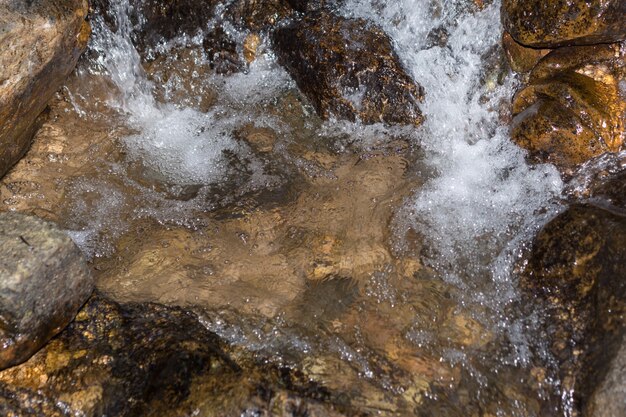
{"x":483,"y":194}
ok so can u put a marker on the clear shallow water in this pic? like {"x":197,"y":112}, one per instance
{"x":378,"y":260}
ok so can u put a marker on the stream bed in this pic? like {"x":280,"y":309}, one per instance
{"x":383,"y":262}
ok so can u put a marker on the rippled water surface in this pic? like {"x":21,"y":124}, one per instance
{"x":381,"y":261}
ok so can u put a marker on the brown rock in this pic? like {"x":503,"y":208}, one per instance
{"x":312,"y":5}
{"x":152,"y":360}
{"x":250,"y":46}
{"x":348,"y":69}
{"x":43,"y":282}
{"x":258,"y":15}
{"x":577,"y":268}
{"x":521,"y":58}
{"x":222,"y":52}
{"x":573,"y":108}
{"x":41,"y":44}
{"x":550,"y":24}
{"x":159,"y":20}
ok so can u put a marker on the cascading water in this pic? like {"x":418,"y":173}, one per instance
{"x":477,"y":205}
{"x":484,"y":202}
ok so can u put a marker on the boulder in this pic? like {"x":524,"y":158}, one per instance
{"x":550,"y":24}
{"x":152,"y":360}
{"x":41,"y":41}
{"x":156,"y":21}
{"x":348,"y":69}
{"x":43,"y":282}
{"x":577,"y":268}
{"x":573,"y":108}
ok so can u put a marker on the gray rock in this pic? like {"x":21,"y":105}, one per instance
{"x":44,"y":280}
{"x":41,"y":42}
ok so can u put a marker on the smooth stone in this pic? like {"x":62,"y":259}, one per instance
{"x":577,"y":272}
{"x":521,"y":58}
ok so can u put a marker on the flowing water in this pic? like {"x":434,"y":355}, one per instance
{"x":378,"y":260}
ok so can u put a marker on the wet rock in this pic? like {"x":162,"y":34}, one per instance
{"x":182,"y":77}
{"x":250,"y":47}
{"x":611,"y":193}
{"x":41,"y":44}
{"x":43,"y":282}
{"x":222,"y":52}
{"x":437,"y":37}
{"x":520,"y":58}
{"x":147,"y":359}
{"x":573,"y":108}
{"x":348,"y":69}
{"x":156,"y":21}
{"x":544,"y":24}
{"x":258,"y":15}
{"x":305,"y":6}
{"x":577,"y":267}
{"x":609,"y":397}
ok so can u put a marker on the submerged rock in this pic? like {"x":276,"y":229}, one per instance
{"x":147,"y":359}
{"x":577,"y":268}
{"x":348,"y":69}
{"x":43,"y":282}
{"x":549,"y":24}
{"x":41,"y":44}
{"x":573,"y":108}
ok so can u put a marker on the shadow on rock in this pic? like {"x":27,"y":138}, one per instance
{"x":147,"y":359}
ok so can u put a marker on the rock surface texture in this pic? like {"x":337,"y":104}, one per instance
{"x":549,"y":24}
{"x":521,"y":58}
{"x":151,"y":360}
{"x":609,"y":398}
{"x":577,"y":269}
{"x":348,"y":69}
{"x":574,"y":106}
{"x":43,"y":282}
{"x":41,"y":42}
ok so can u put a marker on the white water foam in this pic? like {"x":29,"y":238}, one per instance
{"x":484,"y":201}
{"x":484,"y":192}
{"x":175,"y":145}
